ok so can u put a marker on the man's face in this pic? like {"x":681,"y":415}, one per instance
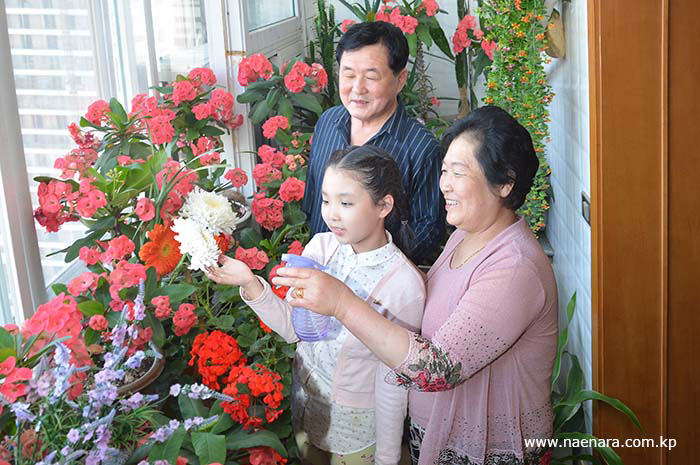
{"x":368,"y":87}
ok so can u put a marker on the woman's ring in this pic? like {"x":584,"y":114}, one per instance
{"x":299,"y":292}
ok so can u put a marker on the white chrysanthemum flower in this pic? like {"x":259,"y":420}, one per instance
{"x":196,"y":241}
{"x":211,"y":210}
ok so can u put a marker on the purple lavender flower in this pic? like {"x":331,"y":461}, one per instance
{"x":61,"y":355}
{"x":103,"y":394}
{"x":73,"y":435}
{"x":133,"y":402}
{"x":135,"y":360}
{"x":190,"y":422}
{"x":164,"y":432}
{"x":175,"y":390}
{"x":21,"y":411}
{"x":118,"y":335}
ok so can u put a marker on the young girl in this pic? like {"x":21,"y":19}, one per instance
{"x":343,"y":411}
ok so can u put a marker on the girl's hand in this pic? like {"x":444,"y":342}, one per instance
{"x":316,"y":290}
{"x":232,"y":272}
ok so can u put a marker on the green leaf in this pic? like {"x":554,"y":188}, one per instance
{"x":224,"y":423}
{"x":209,"y":447}
{"x":440,"y":40}
{"x":480,"y":63}
{"x":91,"y":307}
{"x":561,"y":345}
{"x":259,"y":112}
{"x":307,"y":101}
{"x":250,"y":238}
{"x":570,"y":308}
{"x":293,"y":214}
{"x":585,"y":395}
{"x":412,"y":44}
{"x":272,"y":98}
{"x":212,"y":131}
{"x":58,"y":288}
{"x":6,"y":339}
{"x":169,"y":450}
{"x":262,"y":85}
{"x":91,"y":336}
{"x":151,"y":285}
{"x":191,"y":408}
{"x":285,"y":108}
{"x":192,"y":134}
{"x":177,"y":292}
{"x":251,"y":96}
{"x":243,"y":440}
{"x":117,"y":109}
{"x":73,"y":251}
{"x":157,"y":327}
{"x":461,"y":69}
{"x":423,"y":33}
{"x":574,"y":382}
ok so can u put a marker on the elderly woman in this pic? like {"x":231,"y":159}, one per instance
{"x":480,"y":369}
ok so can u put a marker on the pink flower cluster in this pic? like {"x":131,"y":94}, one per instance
{"x":162,"y":304}
{"x":57,"y":318}
{"x":87,"y":281}
{"x":85,"y":140}
{"x":264,"y":173}
{"x":145,"y":209}
{"x":295,"y":82}
{"x":268,"y":212}
{"x":253,"y":67}
{"x":97,"y":112}
{"x":255,"y":259}
{"x":12,"y":386}
{"x":157,"y":119}
{"x":184,"y":319}
{"x":406,"y":23}
{"x":220,"y":107}
{"x":271,"y":156}
{"x":54,"y":197}
{"x":78,"y":160}
{"x":124,"y":276}
{"x":292,"y":190}
{"x":200,"y":76}
{"x":345,"y":25}
{"x":184,"y":184}
{"x":431,"y":7}
{"x":273,"y":124}
{"x":90,"y":199}
{"x":461,"y":39}
{"x":237,"y":177}
{"x":204,"y":145}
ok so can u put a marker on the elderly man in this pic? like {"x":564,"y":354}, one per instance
{"x":372,"y":58}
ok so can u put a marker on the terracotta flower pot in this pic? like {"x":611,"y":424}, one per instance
{"x":153,"y":372}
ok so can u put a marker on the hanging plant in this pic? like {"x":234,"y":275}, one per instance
{"x":517,"y":83}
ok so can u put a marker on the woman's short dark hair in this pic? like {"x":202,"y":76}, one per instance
{"x":369,"y":33}
{"x":379,"y":174}
{"x":505,"y":151}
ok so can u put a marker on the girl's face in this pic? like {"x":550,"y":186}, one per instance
{"x":472,"y":204}
{"x":351,"y":214}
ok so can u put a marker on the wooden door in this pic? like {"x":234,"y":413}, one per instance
{"x":645,"y":161}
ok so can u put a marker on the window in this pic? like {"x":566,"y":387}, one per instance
{"x":265,"y":13}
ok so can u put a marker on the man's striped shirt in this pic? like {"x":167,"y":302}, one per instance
{"x":418,"y":155}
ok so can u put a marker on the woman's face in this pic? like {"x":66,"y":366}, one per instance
{"x":350,"y":213}
{"x":472,"y":204}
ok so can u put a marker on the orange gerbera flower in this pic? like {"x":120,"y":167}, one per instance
{"x":223,"y":241}
{"x":163,"y":251}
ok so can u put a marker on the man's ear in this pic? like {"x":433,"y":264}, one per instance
{"x":386,"y":205}
{"x":403,"y":76}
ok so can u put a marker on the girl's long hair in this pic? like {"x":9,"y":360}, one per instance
{"x":379,"y":174}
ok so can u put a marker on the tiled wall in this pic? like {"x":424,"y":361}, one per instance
{"x":569,"y":156}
